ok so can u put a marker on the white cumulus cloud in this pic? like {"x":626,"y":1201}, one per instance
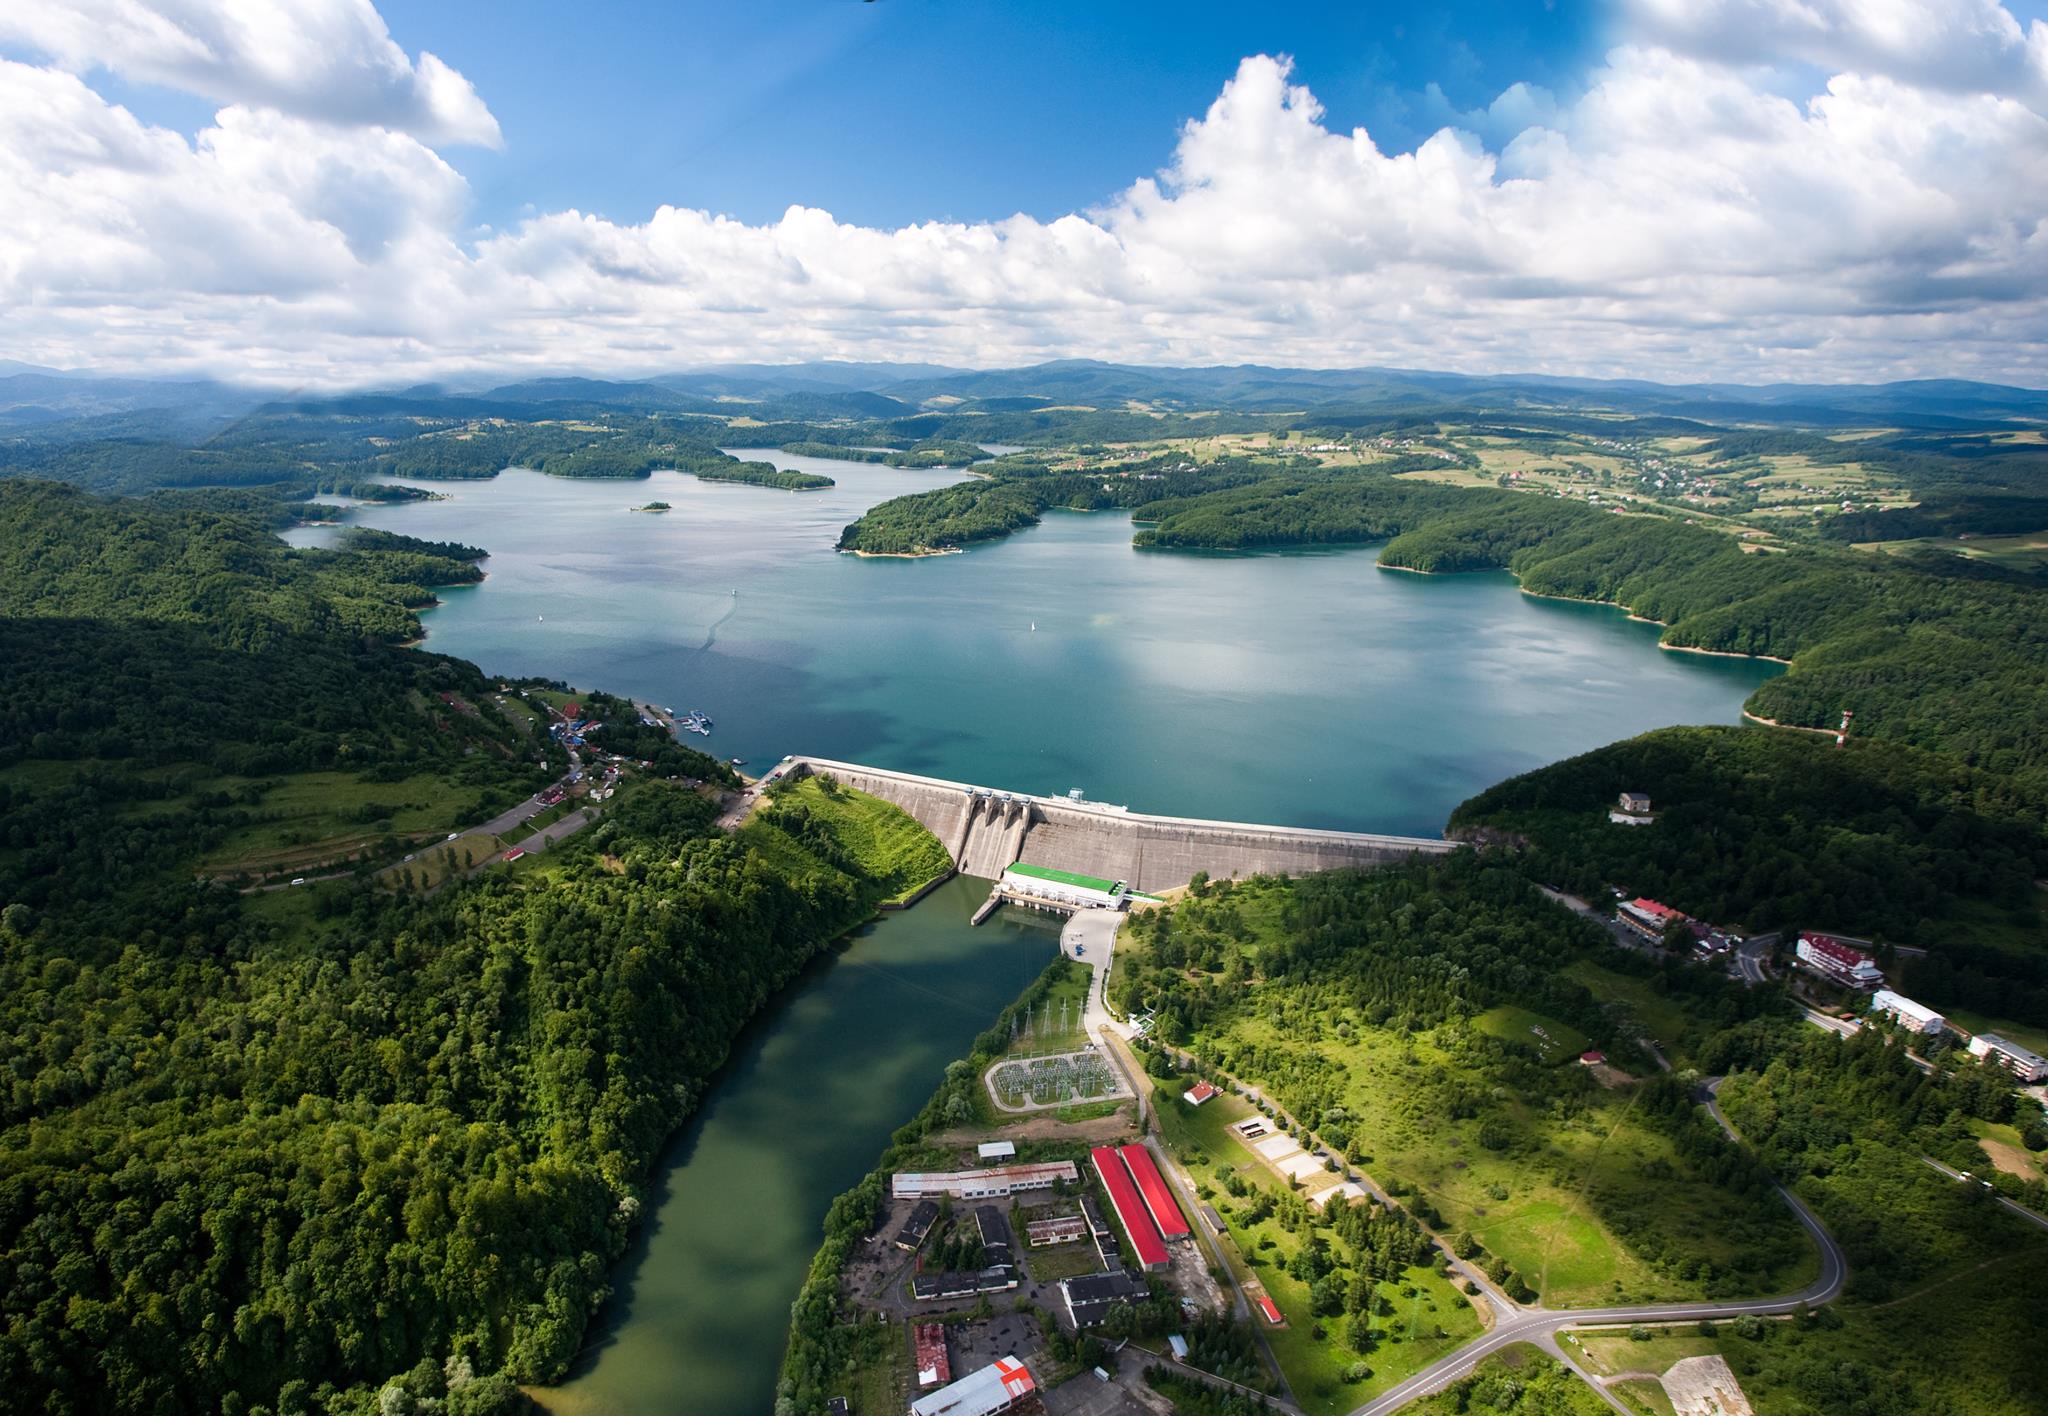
{"x":1963,"y":46}
{"x":330,"y":60}
{"x":1681,"y":217}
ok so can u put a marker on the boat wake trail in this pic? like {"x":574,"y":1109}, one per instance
{"x":711,"y":634}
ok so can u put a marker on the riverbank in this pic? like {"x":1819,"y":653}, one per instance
{"x":813,"y":1089}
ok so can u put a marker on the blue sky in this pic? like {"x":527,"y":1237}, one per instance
{"x":908,"y":110}
{"x":345,"y":192}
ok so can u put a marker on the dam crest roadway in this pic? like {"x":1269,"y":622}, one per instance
{"x":986,"y":831}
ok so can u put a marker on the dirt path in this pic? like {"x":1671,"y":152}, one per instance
{"x":1114,"y":1127}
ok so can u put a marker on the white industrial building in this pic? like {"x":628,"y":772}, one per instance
{"x":2027,"y":1066}
{"x":1917,"y":1016}
{"x":996,"y":1387}
{"x":982,"y":1184}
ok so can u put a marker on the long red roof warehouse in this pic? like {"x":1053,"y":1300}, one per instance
{"x":1158,"y":1198}
{"x":1109,"y":1168}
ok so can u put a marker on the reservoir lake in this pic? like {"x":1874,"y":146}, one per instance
{"x":1304,"y":688}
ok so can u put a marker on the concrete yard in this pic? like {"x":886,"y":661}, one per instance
{"x":1705,"y":1386}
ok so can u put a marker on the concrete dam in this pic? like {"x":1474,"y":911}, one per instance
{"x":987,"y":831}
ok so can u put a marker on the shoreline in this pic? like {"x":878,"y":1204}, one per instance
{"x":1786,"y":727}
{"x":1722,"y":654}
{"x":925,"y":554}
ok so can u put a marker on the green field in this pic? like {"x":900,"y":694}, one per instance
{"x":1552,"y":1042}
{"x":2026,"y":1035}
{"x":1586,"y":1199}
{"x":1638,"y":1006}
{"x":1054,"y":1024}
{"x":2005,"y":1150}
{"x":1549,"y":1197}
{"x":308,"y":818}
{"x":1316,"y":1366}
{"x":889,"y":843}
{"x":2027,"y":552}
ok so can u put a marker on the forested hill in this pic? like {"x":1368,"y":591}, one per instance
{"x":1778,"y":831}
{"x":349,"y":1147}
{"x":67,"y":553}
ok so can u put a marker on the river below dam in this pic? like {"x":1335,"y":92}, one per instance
{"x":1308,"y":689}
{"x":815,"y":1086}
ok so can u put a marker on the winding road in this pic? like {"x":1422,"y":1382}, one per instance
{"x":1092,"y":941}
{"x":2020,"y":1210}
{"x":1540,"y":1325}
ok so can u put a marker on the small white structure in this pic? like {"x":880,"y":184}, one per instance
{"x":1633,"y":809}
{"x":997,"y":1150}
{"x":1065,"y":888}
{"x":982,"y":1184}
{"x":1917,"y":1016}
{"x":1198,"y":1093}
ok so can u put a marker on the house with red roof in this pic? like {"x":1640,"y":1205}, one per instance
{"x":1838,"y":960}
{"x":1649,"y":918}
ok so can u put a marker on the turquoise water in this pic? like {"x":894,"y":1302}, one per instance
{"x":1307,"y":688}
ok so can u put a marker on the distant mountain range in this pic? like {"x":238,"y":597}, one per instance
{"x":32,"y":396}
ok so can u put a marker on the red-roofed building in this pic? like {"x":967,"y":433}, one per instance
{"x":1649,"y":918}
{"x":1272,"y":1313}
{"x":1592,"y":1059}
{"x":1158,"y":1196}
{"x":572,"y":711}
{"x":1123,"y":1195}
{"x":934,"y":1368}
{"x":1198,"y":1093}
{"x":1837,"y":960}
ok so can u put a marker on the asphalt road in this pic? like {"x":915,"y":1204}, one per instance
{"x":1541,"y":1325}
{"x":2021,"y":1210}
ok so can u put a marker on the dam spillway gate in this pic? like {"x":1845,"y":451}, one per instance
{"x":986,"y":831}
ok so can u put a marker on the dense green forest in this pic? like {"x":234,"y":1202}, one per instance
{"x":338,"y":452}
{"x":345,"y":1148}
{"x":763,"y":474}
{"x":1942,"y":1282}
{"x":949,"y":518}
{"x":1775,"y":831}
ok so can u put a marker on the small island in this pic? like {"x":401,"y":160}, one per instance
{"x":653,"y":506}
{"x":760,"y":474}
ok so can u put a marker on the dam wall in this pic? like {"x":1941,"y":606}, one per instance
{"x":985,"y":834}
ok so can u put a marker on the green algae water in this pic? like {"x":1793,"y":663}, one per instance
{"x":1308,"y":688}
{"x":815,"y":1086}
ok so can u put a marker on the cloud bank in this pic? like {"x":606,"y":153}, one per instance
{"x":1681,"y":217}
